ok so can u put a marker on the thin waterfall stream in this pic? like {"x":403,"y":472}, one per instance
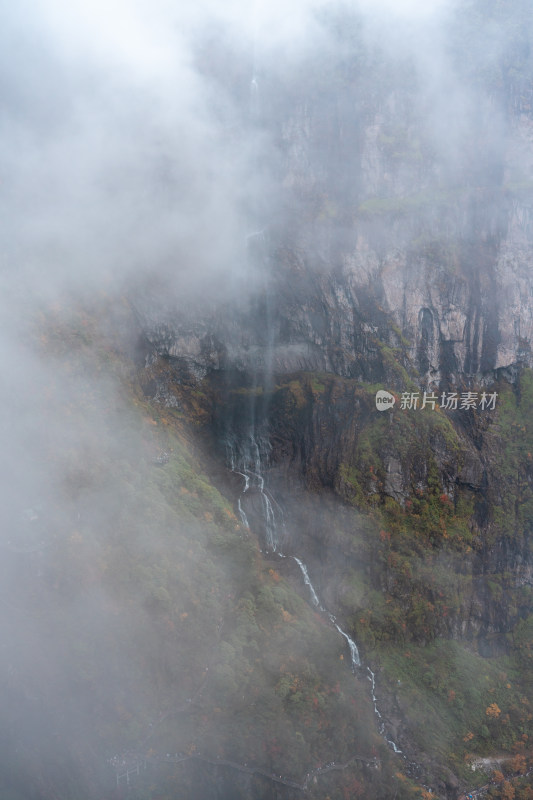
{"x":247,"y":454}
{"x":245,"y":457}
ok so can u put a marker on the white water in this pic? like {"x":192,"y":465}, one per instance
{"x":354,"y":652}
{"x":248,"y":455}
{"x":372,"y":679}
{"x":314,"y":596}
{"x":246,"y":461}
{"x":244,"y":518}
{"x":270,"y":521}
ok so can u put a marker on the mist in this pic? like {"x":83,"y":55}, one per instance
{"x":199,"y":204}
{"x":124,"y":154}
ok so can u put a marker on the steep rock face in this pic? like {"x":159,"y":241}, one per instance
{"x":449,"y":488}
{"x":423,"y":476}
{"x":459,"y":309}
{"x":398,"y":254}
{"x":449,"y":266}
{"x":404,"y":208}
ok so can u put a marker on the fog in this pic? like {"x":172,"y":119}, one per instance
{"x":142,"y":145}
{"x":121,"y":155}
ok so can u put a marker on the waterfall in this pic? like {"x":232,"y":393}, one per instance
{"x":372,"y":679}
{"x":314,"y":596}
{"x":246,"y":456}
{"x":354,"y":652}
{"x":242,"y":514}
{"x":248,"y":451}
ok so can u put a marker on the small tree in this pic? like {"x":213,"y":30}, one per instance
{"x":519,"y":764}
{"x":508,"y":791}
{"x":493,"y":711}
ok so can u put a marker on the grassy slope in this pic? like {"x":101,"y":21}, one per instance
{"x":155,"y":580}
{"x":151,"y":594}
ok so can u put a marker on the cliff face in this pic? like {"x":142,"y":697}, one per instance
{"x":424,"y":475}
{"x":444,"y":249}
{"x":396,"y":256}
{"x":398,"y":253}
{"x":442,"y":271}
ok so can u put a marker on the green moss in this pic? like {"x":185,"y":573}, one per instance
{"x":399,"y":334}
{"x":351,"y":487}
{"x":317,"y":385}
{"x":513,"y":502}
{"x":391,"y":358}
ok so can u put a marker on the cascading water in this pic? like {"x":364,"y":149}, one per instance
{"x":248,"y":452}
{"x":307,"y":581}
{"x":242,"y":514}
{"x":245,"y":458}
{"x":381,"y":724}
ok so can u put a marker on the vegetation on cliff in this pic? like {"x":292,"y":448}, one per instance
{"x":434,"y":574}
